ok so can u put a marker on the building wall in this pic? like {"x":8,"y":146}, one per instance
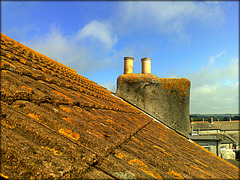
{"x":228,"y":154}
{"x":226,"y":146}
{"x":210,"y":146}
{"x":230,"y":132}
{"x":208,"y":132}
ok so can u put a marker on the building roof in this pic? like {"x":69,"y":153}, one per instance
{"x":205,"y":138}
{"x":56,"y":123}
{"x":203,"y":125}
{"x":228,"y":125}
{"x":221,"y":125}
{"x":225,"y":138}
{"x":235,"y":136}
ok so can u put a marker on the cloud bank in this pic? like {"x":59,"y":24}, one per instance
{"x":100,"y":32}
{"x":215,"y":89}
{"x":168,"y":17}
{"x":75,"y":50}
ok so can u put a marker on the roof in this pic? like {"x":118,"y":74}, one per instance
{"x":225,"y":138}
{"x":235,"y":136}
{"x":56,"y":123}
{"x":228,"y":125}
{"x":202,"y":125}
{"x":221,"y":125}
{"x":205,"y":138}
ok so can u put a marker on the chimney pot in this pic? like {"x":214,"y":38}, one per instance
{"x":146,"y":65}
{"x":211,"y":120}
{"x":128,"y":65}
{"x":191,"y":120}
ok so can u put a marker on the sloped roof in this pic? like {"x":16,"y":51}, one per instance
{"x":221,"y":125}
{"x":56,"y":123}
{"x":225,"y":138}
{"x":228,"y":125}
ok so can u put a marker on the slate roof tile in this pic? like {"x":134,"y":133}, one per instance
{"x":56,"y":123}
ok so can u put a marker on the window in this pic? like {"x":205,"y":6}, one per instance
{"x":194,"y":133}
{"x":223,"y":147}
{"x":205,"y":145}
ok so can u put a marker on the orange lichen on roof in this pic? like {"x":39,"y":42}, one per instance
{"x":162,"y":150}
{"x":53,"y":150}
{"x":60,"y":94}
{"x":68,"y":110}
{"x":34,"y":116}
{"x":200,"y":162}
{"x":136,"y":140}
{"x":175,"y":174}
{"x":67,"y":119}
{"x":144,"y":168}
{"x":120,"y":155}
{"x":7,"y":125}
{"x":28,"y":88}
{"x":69,"y":133}
{"x":4,"y":176}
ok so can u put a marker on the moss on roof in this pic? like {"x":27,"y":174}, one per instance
{"x":56,"y":123}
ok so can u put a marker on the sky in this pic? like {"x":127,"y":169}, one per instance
{"x":184,"y":39}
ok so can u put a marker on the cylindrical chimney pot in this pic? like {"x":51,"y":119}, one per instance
{"x":191,"y":120}
{"x":128,"y":65}
{"x":211,"y":120}
{"x":146,"y":65}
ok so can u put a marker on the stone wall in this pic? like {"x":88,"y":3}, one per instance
{"x":166,"y":99}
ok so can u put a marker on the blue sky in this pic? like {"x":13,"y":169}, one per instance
{"x":194,"y":40}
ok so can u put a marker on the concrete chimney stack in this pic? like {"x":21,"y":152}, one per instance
{"x":146,"y":65}
{"x":128,"y":65}
{"x":169,"y":104}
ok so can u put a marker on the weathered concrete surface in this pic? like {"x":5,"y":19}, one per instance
{"x":166,"y":99}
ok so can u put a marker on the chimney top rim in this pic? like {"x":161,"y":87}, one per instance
{"x":146,"y":59}
{"x":128,"y":58}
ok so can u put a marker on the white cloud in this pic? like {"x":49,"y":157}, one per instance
{"x":71,"y":52}
{"x":110,"y":86}
{"x":99,"y":31}
{"x":168,"y":17}
{"x":215,"y":89}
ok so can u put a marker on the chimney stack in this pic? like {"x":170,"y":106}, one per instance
{"x":146,"y":65}
{"x":128,"y":65}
